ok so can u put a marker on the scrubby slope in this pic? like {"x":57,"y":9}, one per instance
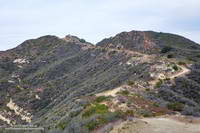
{"x":62,"y":84}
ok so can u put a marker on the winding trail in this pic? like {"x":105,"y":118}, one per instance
{"x":183,"y":72}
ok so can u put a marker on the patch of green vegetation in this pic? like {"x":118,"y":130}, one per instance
{"x":175,"y":106}
{"x":91,"y":95}
{"x":159,"y":83}
{"x":147,"y":89}
{"x":129,"y":102}
{"x":101,"y":99}
{"x":167,"y":79}
{"x":159,"y":113}
{"x":19,"y":87}
{"x":95,"y":109}
{"x":198,"y":56}
{"x":124,"y":92}
{"x":130,"y":113}
{"x":190,"y":58}
{"x":181,"y":63}
{"x":145,"y":113}
{"x":131,"y":83}
{"x":2,"y":108}
{"x":175,"y":67}
{"x":166,"y":49}
{"x":82,"y":40}
{"x":95,"y":123}
{"x":62,"y":125}
{"x":170,"y":56}
{"x":156,"y":105}
{"x":104,"y":119}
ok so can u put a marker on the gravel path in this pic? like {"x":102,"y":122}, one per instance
{"x":156,"y":125}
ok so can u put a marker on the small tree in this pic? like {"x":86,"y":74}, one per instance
{"x":166,"y":49}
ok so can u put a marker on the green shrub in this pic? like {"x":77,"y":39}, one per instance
{"x":176,"y":106}
{"x":167,"y":79}
{"x":170,"y":56}
{"x":147,"y":89}
{"x":96,"y":123}
{"x":145,"y":113}
{"x":62,"y":125}
{"x":159,"y":83}
{"x":124,"y":92}
{"x":156,"y":105}
{"x":190,"y":59}
{"x":131,"y":83}
{"x":101,"y":99}
{"x":181,"y":63}
{"x":166,"y":49}
{"x":82,"y":40}
{"x":103,"y":119}
{"x":198,"y":56}
{"x":95,"y":109}
{"x":130,"y":113}
{"x":175,"y":67}
{"x":92,"y":125}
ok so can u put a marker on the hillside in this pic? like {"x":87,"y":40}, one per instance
{"x":69,"y":85}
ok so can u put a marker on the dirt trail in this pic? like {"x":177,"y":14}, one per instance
{"x":112,"y":92}
{"x":183,"y":72}
{"x":166,"y":125}
{"x":156,"y":125}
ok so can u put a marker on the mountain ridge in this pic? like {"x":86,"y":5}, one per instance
{"x":57,"y":80}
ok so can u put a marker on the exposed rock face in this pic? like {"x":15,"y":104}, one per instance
{"x":19,"y":111}
{"x":134,"y":40}
{"x":146,"y":42}
{"x":50,"y":79}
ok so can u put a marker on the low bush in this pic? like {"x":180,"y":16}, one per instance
{"x":176,"y":106}
{"x":166,"y":49}
{"x":130,"y":113}
{"x":198,"y":56}
{"x":170,"y":56}
{"x":159,"y":83}
{"x":103,"y":119}
{"x":95,"y":109}
{"x":181,"y":63}
{"x":145,"y":113}
{"x":82,"y":40}
{"x":156,"y":105}
{"x":124,"y":92}
{"x":131,"y":83}
{"x":101,"y":99}
{"x":95,"y":123}
{"x":147,"y":89}
{"x":167,"y":79}
{"x":62,"y":125}
{"x":175,"y":67}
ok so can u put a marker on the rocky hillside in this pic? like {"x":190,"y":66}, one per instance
{"x":69,"y":85}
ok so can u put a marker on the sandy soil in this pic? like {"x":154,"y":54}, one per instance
{"x":112,"y":92}
{"x":156,"y":125}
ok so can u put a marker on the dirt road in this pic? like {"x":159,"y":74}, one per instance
{"x":156,"y":125}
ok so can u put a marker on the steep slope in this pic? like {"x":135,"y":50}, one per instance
{"x":62,"y":84}
{"x":147,"y":40}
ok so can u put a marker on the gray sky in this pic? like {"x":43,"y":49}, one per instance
{"x":94,"y":20}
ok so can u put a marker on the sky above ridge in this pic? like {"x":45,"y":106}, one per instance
{"x":94,"y":20}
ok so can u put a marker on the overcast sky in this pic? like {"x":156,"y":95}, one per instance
{"x":94,"y":20}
